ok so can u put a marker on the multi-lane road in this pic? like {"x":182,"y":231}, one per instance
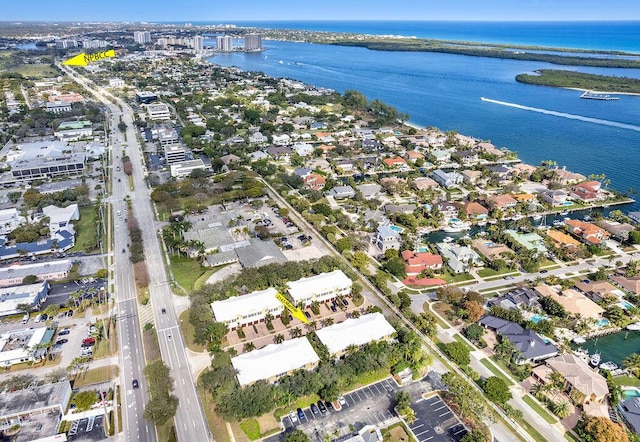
{"x":190,"y":424}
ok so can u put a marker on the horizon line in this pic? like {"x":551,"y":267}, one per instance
{"x":323,"y":20}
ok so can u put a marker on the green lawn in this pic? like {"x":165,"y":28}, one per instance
{"x":532,"y":431}
{"x":541,"y":411}
{"x":96,"y":375}
{"x":188,"y":332}
{"x":35,"y":71}
{"x":85,"y":229}
{"x":493,"y":369}
{"x":251,"y":428}
{"x":491,"y":272}
{"x":440,"y":322}
{"x":463,"y":342}
{"x":189,"y":273}
{"x":627,"y":381}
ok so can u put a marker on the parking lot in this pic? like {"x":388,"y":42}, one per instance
{"x":370,"y":405}
{"x":87,"y":430}
{"x":435,"y":421}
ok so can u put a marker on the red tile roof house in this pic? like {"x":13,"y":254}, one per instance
{"x":394,"y":162}
{"x":502,"y":201}
{"x":476,"y":211}
{"x":588,"y":191}
{"x":314,"y":181}
{"x":417,"y":262}
{"x":587,"y":231}
{"x":413,"y":155}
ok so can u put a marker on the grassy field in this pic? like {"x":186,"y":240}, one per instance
{"x":397,"y":432}
{"x":188,"y":331}
{"x":532,"y":431}
{"x":440,"y":322}
{"x":251,"y":428}
{"x":35,"y":71}
{"x":493,"y":369}
{"x":189,"y":274}
{"x":541,"y":411}
{"x":167,"y":432}
{"x":487,"y":272}
{"x":216,"y":424}
{"x":86,"y":228}
{"x":96,"y":375}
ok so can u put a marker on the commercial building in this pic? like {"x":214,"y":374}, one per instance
{"x":142,"y":37}
{"x":31,"y":294}
{"x":224,"y":43}
{"x":57,"y":107}
{"x":251,"y":308}
{"x":44,"y":271}
{"x":74,"y":130}
{"x":320,"y":288}
{"x":174,"y":153}
{"x":158,"y":111}
{"x":252,"y":42}
{"x":31,"y":406}
{"x":23,"y":345}
{"x":184,"y":168}
{"x":274,"y":361}
{"x":116,"y":82}
{"x":355,"y":332}
{"x":10,"y":219}
{"x":145,"y":97}
{"x":41,"y":159}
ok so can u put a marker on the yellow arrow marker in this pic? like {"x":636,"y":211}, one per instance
{"x":296,"y":312}
{"x":84,"y":59}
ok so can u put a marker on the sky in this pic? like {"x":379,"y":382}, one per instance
{"x":219,"y":11}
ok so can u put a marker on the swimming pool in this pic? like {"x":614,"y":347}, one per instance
{"x":625,"y":305}
{"x":567,"y":203}
{"x":423,"y":249}
{"x":454,"y":220}
{"x":396,"y":228}
{"x":537,"y":318}
{"x":630,"y":393}
{"x":603,"y":322}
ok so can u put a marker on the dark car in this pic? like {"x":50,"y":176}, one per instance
{"x":306,"y":313}
{"x":315,"y":410}
{"x":61,"y":341}
{"x":544,"y":271}
{"x":333,"y":308}
{"x":301,"y":414}
{"x":70,"y":313}
{"x":164,"y":311}
{"x":135,"y":384}
{"x":124,"y":251}
{"x":64,"y":332}
{"x":345,"y":302}
{"x":321,"y":406}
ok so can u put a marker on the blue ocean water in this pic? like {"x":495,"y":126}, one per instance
{"x":602,"y":35}
{"x":445,"y":90}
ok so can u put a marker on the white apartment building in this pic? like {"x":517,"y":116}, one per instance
{"x":224,"y":43}
{"x":252,"y":42}
{"x":142,"y":37}
{"x":355,"y":331}
{"x":251,"y":308}
{"x":321,"y":288}
{"x":158,"y":111}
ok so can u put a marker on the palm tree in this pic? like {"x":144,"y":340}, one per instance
{"x":296,"y":332}
{"x":327,"y":322}
{"x":632,"y":363}
{"x":313,"y":325}
{"x":557,"y":381}
{"x":537,"y":390}
{"x":409,"y":415}
{"x":561,"y":408}
{"x":278,"y":339}
{"x":248,"y":346}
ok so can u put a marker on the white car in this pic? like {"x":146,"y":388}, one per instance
{"x":342,"y":400}
{"x":293,"y":417}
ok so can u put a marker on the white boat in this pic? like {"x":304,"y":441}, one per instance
{"x":595,"y":359}
{"x":610,"y":366}
{"x":537,"y":217}
{"x":281,"y":62}
{"x":579,"y":340}
{"x":587,"y":218}
{"x":557,"y":223}
{"x":448,"y":239}
{"x":582,"y":354}
{"x":634,"y":327}
{"x":482,"y":223}
{"x":457,"y":226}
{"x":516,"y":217}
{"x":564,"y":212}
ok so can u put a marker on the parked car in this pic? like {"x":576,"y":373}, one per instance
{"x":315,"y":410}
{"x":306,"y":313}
{"x":301,"y":414}
{"x":89,"y":341}
{"x":293,"y":416}
{"x":345,"y":302}
{"x":333,"y":308}
{"x":544,"y":271}
{"x":321,"y":406}
{"x":61,"y":341}
{"x":64,"y":331}
{"x":342,"y":400}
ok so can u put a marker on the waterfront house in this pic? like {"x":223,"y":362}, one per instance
{"x":464,"y":140}
{"x":517,"y":299}
{"x":525,"y":198}
{"x":555,"y":197}
{"x":630,"y":411}
{"x":598,"y":290}
{"x":446,"y":179}
{"x":500,"y":171}
{"x":459,"y":258}
{"x":583,"y":384}
{"x":467,"y":157}
{"x":530,"y":346}
{"x":574,"y":302}
{"x":630,"y":284}
{"x":563,"y":176}
{"x":562,"y":240}
{"x":417,"y":262}
{"x":588,"y":191}
{"x":476,"y":211}
{"x":501,"y":202}
{"x":587,"y":231}
{"x":387,"y":238}
{"x":634,"y":217}
{"x":405,"y":209}
{"x":523,"y":170}
{"x":490,"y":149}
{"x":342,"y":192}
{"x":471,"y":176}
{"x":530,"y":241}
{"x":448,"y":209}
{"x":490,"y":249}
{"x":424,"y":183}
{"x":616,"y":229}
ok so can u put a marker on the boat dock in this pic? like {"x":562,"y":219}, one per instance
{"x":590,"y":95}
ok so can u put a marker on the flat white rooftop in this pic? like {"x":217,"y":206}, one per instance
{"x":322,"y":283}
{"x":273,"y":360}
{"x":246,"y":305}
{"x":355,"y":331}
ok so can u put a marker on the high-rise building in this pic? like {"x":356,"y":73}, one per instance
{"x":198,"y":43}
{"x":224,"y":43}
{"x":252,"y":42}
{"x":142,"y":37}
{"x":66,"y":44}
